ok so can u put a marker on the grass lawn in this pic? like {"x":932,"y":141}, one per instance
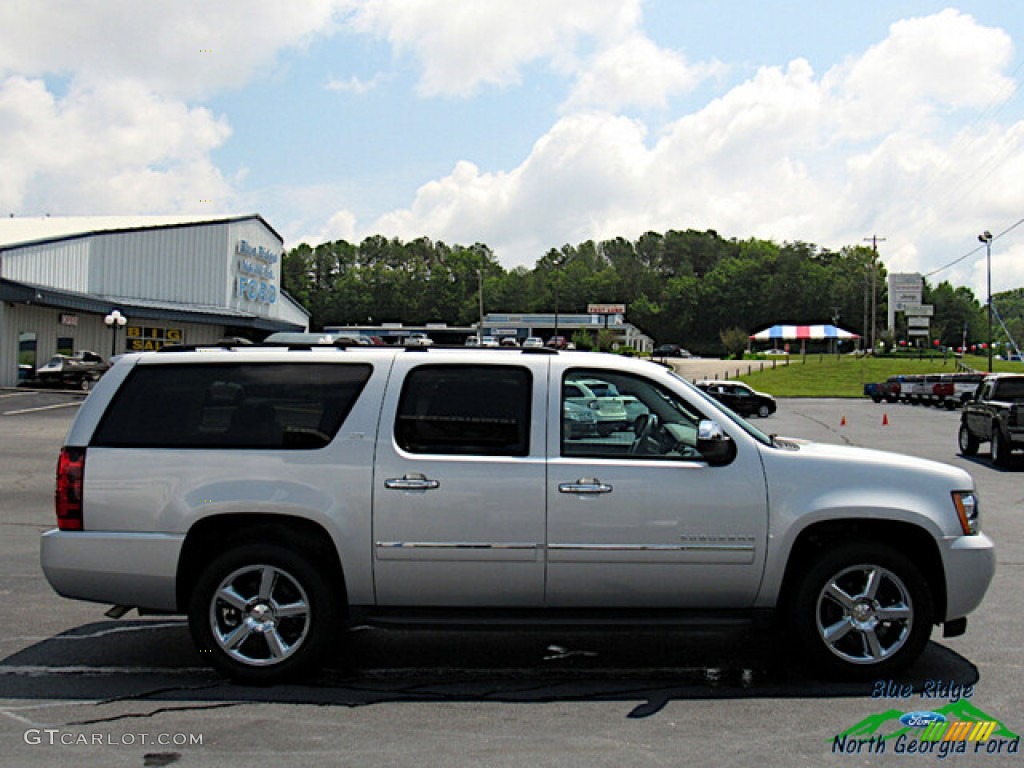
{"x":845,"y":376}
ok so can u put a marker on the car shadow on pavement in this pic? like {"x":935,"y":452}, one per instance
{"x":1014,"y":462}
{"x":154,"y":661}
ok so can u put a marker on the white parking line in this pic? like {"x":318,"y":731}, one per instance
{"x":16,"y":394}
{"x":42,"y":408}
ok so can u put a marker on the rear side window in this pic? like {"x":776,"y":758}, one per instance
{"x":465,"y":410}
{"x":258,"y":405}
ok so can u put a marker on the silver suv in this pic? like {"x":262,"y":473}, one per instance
{"x":276,"y":495}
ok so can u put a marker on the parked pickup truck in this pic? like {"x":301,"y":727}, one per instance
{"x":890,"y":389}
{"x":279,"y":495}
{"x":996,"y":416}
{"x":954,"y":389}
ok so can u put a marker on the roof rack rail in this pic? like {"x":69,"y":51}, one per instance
{"x":195,"y":347}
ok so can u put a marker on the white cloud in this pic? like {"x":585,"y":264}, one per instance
{"x":355,"y":85}
{"x":634,"y":72}
{"x":118,"y":147}
{"x":340,"y":226}
{"x":118,"y":132}
{"x":788,"y":154}
{"x":186,"y":47}
{"x":463,"y":46}
{"x":924,"y":68}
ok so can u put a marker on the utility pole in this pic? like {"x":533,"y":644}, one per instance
{"x":874,"y":240}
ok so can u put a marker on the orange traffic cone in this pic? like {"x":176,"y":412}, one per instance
{"x":885,"y":419}
{"x":842,"y":422}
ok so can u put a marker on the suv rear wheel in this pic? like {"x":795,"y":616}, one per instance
{"x":862,"y":611}
{"x":263,"y":613}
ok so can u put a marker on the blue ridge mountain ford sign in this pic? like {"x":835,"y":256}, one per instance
{"x":257,"y":278}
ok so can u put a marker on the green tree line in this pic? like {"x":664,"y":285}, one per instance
{"x":679,"y":286}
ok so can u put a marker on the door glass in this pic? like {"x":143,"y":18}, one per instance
{"x":611,"y":415}
{"x":467,"y":410}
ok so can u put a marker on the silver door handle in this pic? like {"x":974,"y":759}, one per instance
{"x":586,"y":485}
{"x":415,"y":482}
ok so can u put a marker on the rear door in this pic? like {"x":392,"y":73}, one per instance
{"x":459,"y":494}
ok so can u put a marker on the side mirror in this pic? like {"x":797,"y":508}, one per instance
{"x":716,"y":447}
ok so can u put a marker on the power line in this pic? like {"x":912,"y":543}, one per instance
{"x":974,"y":251}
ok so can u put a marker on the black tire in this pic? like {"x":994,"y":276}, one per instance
{"x":876,"y":398}
{"x":968,"y":442}
{"x":999,"y":447}
{"x":279,"y":622}
{"x":764,"y":411}
{"x":861,"y":611}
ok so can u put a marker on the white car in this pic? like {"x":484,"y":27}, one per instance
{"x":533,"y":342}
{"x":610,"y":410}
{"x":418,"y":340}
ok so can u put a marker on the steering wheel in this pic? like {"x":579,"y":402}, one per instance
{"x":644,"y":428}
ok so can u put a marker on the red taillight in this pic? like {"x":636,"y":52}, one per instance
{"x":68,"y":498}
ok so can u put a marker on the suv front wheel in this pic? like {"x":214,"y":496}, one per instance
{"x":862,"y":611}
{"x":262,"y":613}
{"x":968,"y":442}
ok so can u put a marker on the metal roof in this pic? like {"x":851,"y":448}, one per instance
{"x":26,"y":293}
{"x":18,"y":231}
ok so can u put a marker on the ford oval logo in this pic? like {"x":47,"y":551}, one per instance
{"x":921,"y":719}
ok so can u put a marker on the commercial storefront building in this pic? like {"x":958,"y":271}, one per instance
{"x":547,"y":325}
{"x":188,"y":280}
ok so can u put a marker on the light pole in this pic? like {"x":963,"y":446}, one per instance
{"x":480,"y":299}
{"x":986,"y":238}
{"x":114,"y":321}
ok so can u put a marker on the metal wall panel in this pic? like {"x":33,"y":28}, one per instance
{"x":178,"y":264}
{"x":63,"y":265}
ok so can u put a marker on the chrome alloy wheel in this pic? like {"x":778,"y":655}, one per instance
{"x":260,"y":615}
{"x":864,"y":614}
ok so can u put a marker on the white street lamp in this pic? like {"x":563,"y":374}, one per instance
{"x":114,"y":321}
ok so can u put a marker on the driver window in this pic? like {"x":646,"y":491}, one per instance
{"x":611,"y":415}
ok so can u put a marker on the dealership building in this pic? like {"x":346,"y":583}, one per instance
{"x":116,"y":284}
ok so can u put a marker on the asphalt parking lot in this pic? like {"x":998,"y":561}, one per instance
{"x":78,"y":688}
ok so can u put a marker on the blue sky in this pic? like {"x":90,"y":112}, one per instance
{"x":529,"y":124}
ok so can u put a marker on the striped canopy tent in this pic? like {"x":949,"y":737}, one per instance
{"x":803,"y":333}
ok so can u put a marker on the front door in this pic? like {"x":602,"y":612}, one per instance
{"x":638,"y":519}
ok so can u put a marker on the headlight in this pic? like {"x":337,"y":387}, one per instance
{"x":966,"y":503}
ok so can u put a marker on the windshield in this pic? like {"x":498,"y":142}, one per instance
{"x":742,"y":423}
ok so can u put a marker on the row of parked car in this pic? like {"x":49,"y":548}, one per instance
{"x":943,"y":390}
{"x":993,"y":406}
